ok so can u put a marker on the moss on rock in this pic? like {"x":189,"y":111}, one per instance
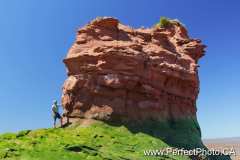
{"x":98,"y":140}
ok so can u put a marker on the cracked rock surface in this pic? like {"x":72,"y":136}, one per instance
{"x":117,"y":73}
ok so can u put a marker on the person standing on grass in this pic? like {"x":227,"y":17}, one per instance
{"x":55,"y":113}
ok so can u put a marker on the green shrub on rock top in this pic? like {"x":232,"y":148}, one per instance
{"x":166,"y":22}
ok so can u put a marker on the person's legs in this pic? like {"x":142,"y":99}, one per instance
{"x":54,"y":120}
{"x":59,"y":117}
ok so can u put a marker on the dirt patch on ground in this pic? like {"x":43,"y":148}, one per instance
{"x":221,"y":144}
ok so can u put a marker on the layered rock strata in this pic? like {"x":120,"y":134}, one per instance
{"x":117,"y":73}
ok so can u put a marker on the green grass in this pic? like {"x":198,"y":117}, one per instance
{"x":100,"y":141}
{"x":166,"y":22}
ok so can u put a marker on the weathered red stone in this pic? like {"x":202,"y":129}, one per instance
{"x":116,"y":72}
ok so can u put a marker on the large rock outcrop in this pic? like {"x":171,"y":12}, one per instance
{"x":143,"y":79}
{"x":117,"y":73}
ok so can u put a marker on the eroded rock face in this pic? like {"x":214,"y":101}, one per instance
{"x":119,"y":73}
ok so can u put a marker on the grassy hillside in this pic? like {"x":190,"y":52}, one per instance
{"x":93,"y":140}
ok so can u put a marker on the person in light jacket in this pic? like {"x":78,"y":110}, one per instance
{"x":56,"y":114}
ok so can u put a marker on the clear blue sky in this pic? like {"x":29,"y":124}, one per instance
{"x":36,"y":35}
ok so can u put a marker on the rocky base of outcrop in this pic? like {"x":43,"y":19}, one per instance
{"x":180,"y":134}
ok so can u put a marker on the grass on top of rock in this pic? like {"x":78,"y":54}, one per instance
{"x":100,"y":19}
{"x":166,"y":22}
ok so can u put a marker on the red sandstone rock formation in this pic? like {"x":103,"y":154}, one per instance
{"x":119,"y":73}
